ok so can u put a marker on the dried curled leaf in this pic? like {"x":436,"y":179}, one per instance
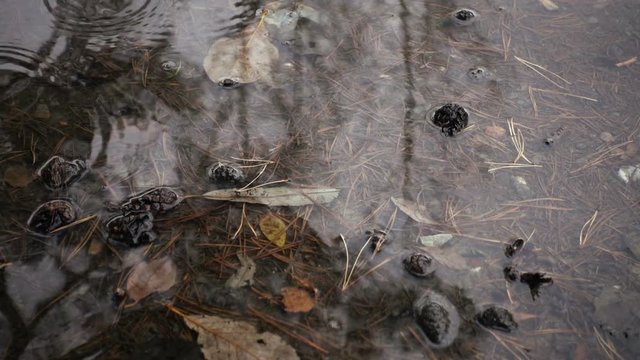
{"x":415,"y":211}
{"x":147,"y":278}
{"x":297,"y":300}
{"x":274,"y":229}
{"x":222,"y":338}
{"x":549,"y":5}
{"x":275,"y":196}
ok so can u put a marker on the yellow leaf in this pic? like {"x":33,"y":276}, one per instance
{"x":274,"y":229}
{"x":297,"y":300}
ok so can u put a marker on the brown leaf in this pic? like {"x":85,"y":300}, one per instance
{"x":297,"y":300}
{"x":18,"y":176}
{"x":274,"y":229}
{"x":147,"y":278}
{"x":222,"y":338}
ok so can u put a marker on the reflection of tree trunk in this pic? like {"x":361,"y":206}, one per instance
{"x":20,"y":335}
{"x":409,"y":101}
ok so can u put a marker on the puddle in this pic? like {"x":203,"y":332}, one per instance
{"x":441,"y":179}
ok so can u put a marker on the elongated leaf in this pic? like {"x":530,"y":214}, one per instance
{"x":415,"y":211}
{"x":274,"y":229}
{"x":275,"y":196}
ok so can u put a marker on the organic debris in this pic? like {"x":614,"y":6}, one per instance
{"x":275,"y":196}
{"x":146,"y":278}
{"x":549,"y":5}
{"x":511,"y":249}
{"x":297,"y":300}
{"x":378,"y":239}
{"x":535,"y":281}
{"x":419,"y":265}
{"x":413,"y":210}
{"x":244,"y":275}
{"x":58,"y":173}
{"x":226,"y":175}
{"x":497,"y":318}
{"x":510,"y":273}
{"x":464,"y":16}
{"x":18,"y":176}
{"x":134,"y":229}
{"x":222,"y":338}
{"x":52,"y":215}
{"x":274,"y":229}
{"x":451,"y":119}
{"x":438,"y":319}
{"x":154,"y":200}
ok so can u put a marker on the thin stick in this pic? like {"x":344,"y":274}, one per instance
{"x":77,"y":222}
{"x":533,"y":67}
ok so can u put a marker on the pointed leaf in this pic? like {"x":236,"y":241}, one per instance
{"x":275,"y":196}
{"x":415,"y":211}
{"x":147,"y":278}
{"x":274,"y":229}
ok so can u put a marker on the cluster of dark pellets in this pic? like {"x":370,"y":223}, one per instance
{"x":419,"y":265}
{"x":451,"y":118}
{"x":494,"y":317}
{"x":134,"y":227}
{"x":226,"y":175}
{"x":534,"y":280}
{"x":57,"y":174}
{"x":464,"y":16}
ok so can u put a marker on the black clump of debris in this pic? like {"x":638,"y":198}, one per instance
{"x":497,"y":318}
{"x":133,"y":229}
{"x":52,"y":215}
{"x":511,"y":249}
{"x":378,"y":239}
{"x":451,"y":118}
{"x":418,"y":265}
{"x":535,"y":281}
{"x":510,"y":273}
{"x":226,"y":175}
{"x":228,"y":84}
{"x":464,"y":15}
{"x":59,"y":173}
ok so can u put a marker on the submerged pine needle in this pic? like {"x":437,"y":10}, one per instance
{"x":584,"y":235}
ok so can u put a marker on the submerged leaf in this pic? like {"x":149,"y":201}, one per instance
{"x":274,"y":229}
{"x":415,"y":211}
{"x":244,"y":275}
{"x":18,"y":176}
{"x":297,"y":300}
{"x":147,"y":278}
{"x":244,"y":59}
{"x":275,"y":196}
{"x":222,"y":338}
{"x":549,"y":5}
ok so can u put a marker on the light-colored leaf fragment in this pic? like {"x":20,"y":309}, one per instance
{"x":244,"y":275}
{"x":276,"y":196}
{"x":228,"y":339}
{"x":436,"y":240}
{"x":415,"y":211}
{"x":147,"y":278}
{"x":297,"y":300}
{"x":274,"y":229}
{"x":244,"y":59}
{"x":549,"y":5}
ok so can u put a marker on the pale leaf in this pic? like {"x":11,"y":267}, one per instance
{"x":415,"y":211}
{"x":147,"y":278}
{"x":228,"y":339}
{"x":274,"y":229}
{"x":276,"y":196}
{"x":549,"y":5}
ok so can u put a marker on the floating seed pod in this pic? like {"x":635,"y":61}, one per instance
{"x":52,"y":215}
{"x":494,"y":317}
{"x":438,"y":319}
{"x":451,"y":119}
{"x":155,"y":200}
{"x":134,"y":229}
{"x":464,"y":16}
{"x":419,"y":265}
{"x":226,"y":175}
{"x":58,"y":173}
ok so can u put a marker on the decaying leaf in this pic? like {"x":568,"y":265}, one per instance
{"x":297,"y":300}
{"x":242,"y":59}
{"x":549,"y":5}
{"x":228,"y":339}
{"x":415,"y":211}
{"x":18,"y":176}
{"x":244,"y":275}
{"x":147,"y":278}
{"x":274,"y":229}
{"x":275,"y":196}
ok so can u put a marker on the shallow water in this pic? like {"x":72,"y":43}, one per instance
{"x":346,"y":104}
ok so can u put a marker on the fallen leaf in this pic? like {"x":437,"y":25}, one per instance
{"x":18,"y":176}
{"x":244,"y":275}
{"x":297,"y":300}
{"x":243,"y":59}
{"x":228,"y":339}
{"x":495,"y":131}
{"x":549,"y":5}
{"x":415,"y":211}
{"x":275,"y":196}
{"x":147,"y":278}
{"x":274,"y":229}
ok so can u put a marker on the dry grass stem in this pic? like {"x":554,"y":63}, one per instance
{"x":584,"y":235}
{"x":539,"y":69}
